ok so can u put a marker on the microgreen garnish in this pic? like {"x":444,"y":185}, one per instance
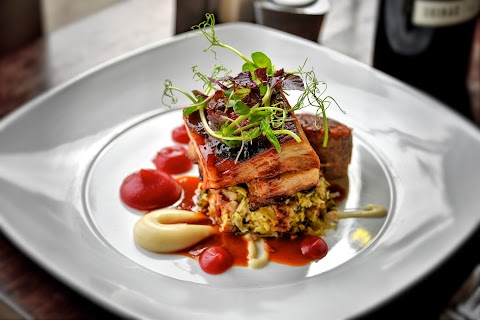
{"x":238,"y":109}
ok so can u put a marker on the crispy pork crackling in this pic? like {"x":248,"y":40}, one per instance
{"x":269,"y":175}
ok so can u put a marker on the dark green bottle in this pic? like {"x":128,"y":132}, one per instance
{"x":428,"y":43}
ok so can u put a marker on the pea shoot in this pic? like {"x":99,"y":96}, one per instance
{"x":238,"y":109}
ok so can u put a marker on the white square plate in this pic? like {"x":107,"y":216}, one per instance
{"x":64,"y":155}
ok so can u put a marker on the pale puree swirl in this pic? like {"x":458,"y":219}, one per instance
{"x":170,"y":230}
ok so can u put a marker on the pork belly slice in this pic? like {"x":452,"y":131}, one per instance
{"x":267,"y":191}
{"x":335,"y":158}
{"x":221,"y":166}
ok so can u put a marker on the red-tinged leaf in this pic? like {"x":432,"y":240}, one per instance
{"x":197,"y":93}
{"x":275,"y":83}
{"x":252,"y":98}
{"x":244,"y":79}
{"x":279,"y":73}
{"x":293,"y":82}
{"x":218,"y":83}
{"x":261,"y":74}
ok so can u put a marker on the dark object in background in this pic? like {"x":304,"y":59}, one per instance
{"x":20,"y":23}
{"x":428,"y":45}
{"x":190,"y":13}
{"x":304,"y":21}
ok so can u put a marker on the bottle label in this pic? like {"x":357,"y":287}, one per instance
{"x":443,"y":13}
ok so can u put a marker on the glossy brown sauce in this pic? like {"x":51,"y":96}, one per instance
{"x":237,"y":246}
{"x":342,"y":193}
{"x":189,"y":185}
{"x":286,"y":251}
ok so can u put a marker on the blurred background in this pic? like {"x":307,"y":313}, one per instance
{"x":432,"y":45}
{"x":103,"y":29}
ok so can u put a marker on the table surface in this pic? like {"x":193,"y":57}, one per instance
{"x":27,"y":290}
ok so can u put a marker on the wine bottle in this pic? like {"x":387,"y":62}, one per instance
{"x":427,"y":43}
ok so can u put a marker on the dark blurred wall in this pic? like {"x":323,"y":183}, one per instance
{"x":20,"y":23}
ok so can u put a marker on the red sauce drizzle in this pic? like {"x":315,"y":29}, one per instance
{"x":180,"y":135}
{"x":149,"y":189}
{"x":173,"y":160}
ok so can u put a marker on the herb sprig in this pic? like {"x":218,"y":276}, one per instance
{"x":238,"y":109}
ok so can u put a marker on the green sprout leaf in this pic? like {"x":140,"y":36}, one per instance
{"x":261,"y":60}
{"x":268,"y":132}
{"x":226,"y":130}
{"x":241,"y":108}
{"x":252,"y":134}
{"x":190,"y":110}
{"x":259,"y":115}
{"x":249,"y":66}
{"x":263,"y":89}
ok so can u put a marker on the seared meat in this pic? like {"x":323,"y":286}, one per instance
{"x":336,"y":157}
{"x":221,"y":166}
{"x":266,"y":191}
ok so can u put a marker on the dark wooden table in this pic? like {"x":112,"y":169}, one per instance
{"x":27,"y":290}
